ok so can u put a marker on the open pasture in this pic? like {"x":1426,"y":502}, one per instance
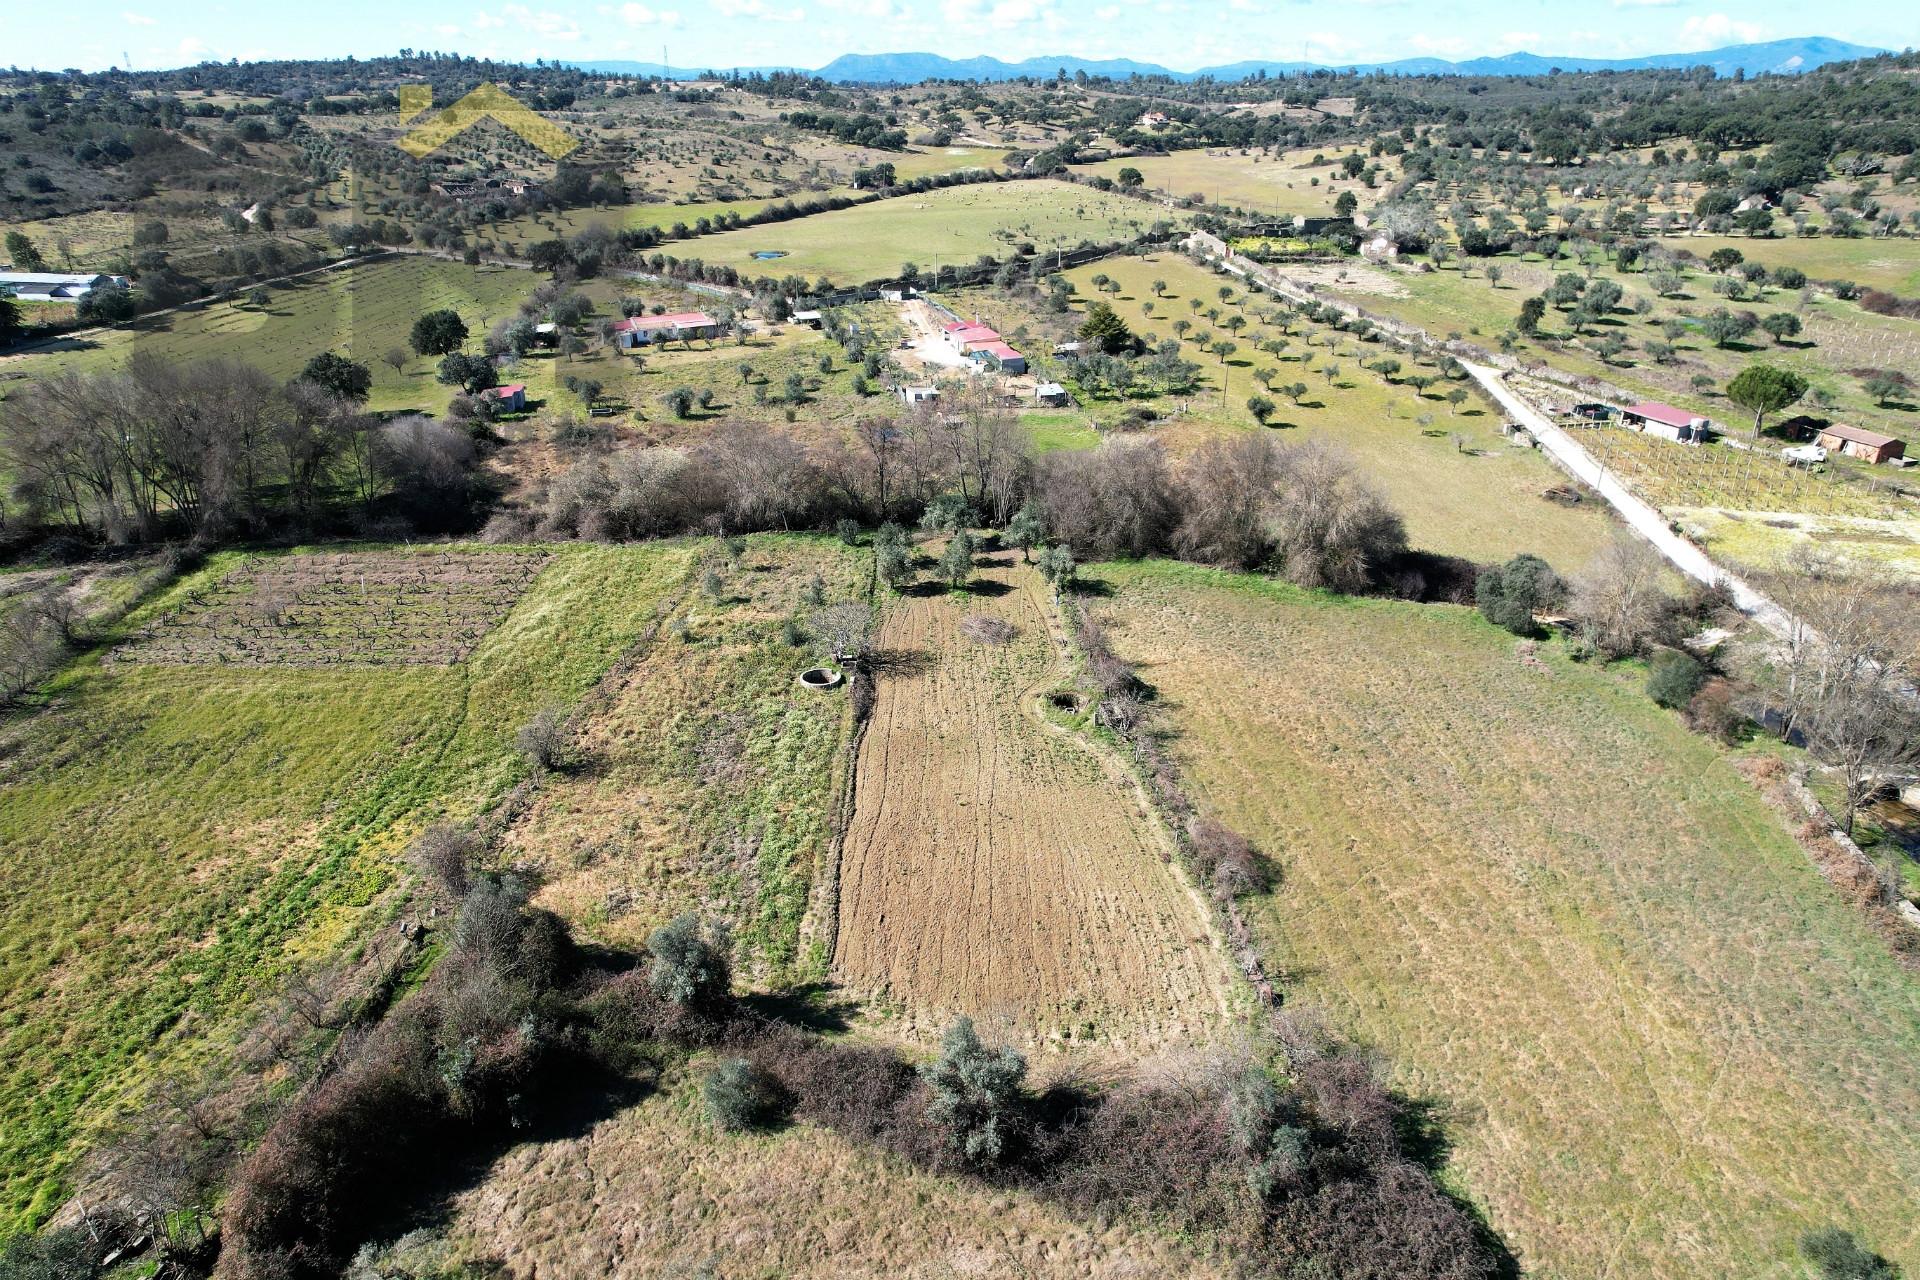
{"x":1656,"y":1042}
{"x":1260,"y":182}
{"x":949,"y":227}
{"x":351,"y":608}
{"x":362,"y":311}
{"x":996,"y":865}
{"x":182,"y":839}
{"x":1891,"y":263}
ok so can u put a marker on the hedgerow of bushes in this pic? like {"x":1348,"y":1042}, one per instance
{"x":1305,"y":1170}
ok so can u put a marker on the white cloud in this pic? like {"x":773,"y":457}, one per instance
{"x":1003,"y":15}
{"x":876,"y":10}
{"x":1520,"y":39}
{"x":139,"y":19}
{"x":639,"y":15}
{"x":1107,"y":14}
{"x":1440,"y":46}
{"x":759,"y":9}
{"x":1645,"y":4}
{"x":1244,"y":6}
{"x":545,"y":22}
{"x":1706,"y":31}
{"x":192,"y":49}
{"x":1328,"y":47}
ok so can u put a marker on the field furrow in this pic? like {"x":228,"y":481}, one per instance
{"x":993,"y":866}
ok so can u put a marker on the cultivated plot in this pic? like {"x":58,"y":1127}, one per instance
{"x":996,"y":866}
{"x":180,"y":839}
{"x":354,"y":608}
{"x":713,"y":771}
{"x":1658,"y":1042}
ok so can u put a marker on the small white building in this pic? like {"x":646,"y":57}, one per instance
{"x":1380,"y":248}
{"x":53,"y":286}
{"x":919,"y":395}
{"x":679,"y":326}
{"x":1050,"y":393}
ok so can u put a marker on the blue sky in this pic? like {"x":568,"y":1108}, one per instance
{"x":91,"y":34}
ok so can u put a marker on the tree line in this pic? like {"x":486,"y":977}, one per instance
{"x":218,"y":450}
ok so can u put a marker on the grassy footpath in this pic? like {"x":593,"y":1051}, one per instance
{"x":1657,"y":1042}
{"x":179,"y":838}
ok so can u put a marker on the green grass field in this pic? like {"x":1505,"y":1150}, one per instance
{"x":1280,"y":186}
{"x":180,"y":838}
{"x":1891,"y":263}
{"x":1474,"y":496}
{"x":907,"y":164}
{"x":362,"y":311}
{"x":950,"y":227}
{"x":1657,"y":1042}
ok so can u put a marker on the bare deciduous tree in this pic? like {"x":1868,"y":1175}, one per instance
{"x":1847,"y":681}
{"x":841,"y":629}
{"x":1621,"y":601}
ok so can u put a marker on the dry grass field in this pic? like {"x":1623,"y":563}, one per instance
{"x":996,"y":866}
{"x":1658,"y":1042}
{"x":655,"y":1191}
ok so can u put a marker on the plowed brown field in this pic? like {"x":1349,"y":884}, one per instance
{"x":999,"y":866}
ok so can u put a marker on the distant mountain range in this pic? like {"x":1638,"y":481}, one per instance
{"x":1779,"y":56}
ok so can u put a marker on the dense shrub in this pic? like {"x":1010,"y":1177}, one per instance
{"x":975,"y":1094}
{"x":1224,"y":859}
{"x":453,"y":1062}
{"x":1715,"y":712}
{"x":1620,"y":601}
{"x":691,"y":963}
{"x":740,"y":1096}
{"x":1673,"y":678}
{"x":1116,"y":500}
{"x":1509,"y":595}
